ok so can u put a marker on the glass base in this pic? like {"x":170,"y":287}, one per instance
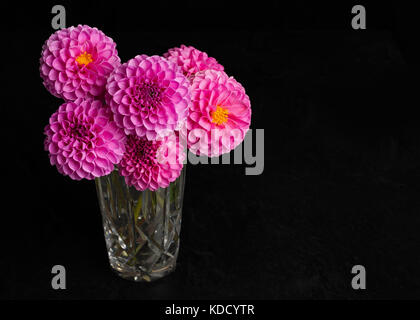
{"x":133,"y":274}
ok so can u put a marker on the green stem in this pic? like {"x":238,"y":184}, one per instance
{"x":137,"y":209}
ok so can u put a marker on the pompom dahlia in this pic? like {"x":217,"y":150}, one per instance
{"x":82,"y":140}
{"x":75,"y":62}
{"x":192,"y":60}
{"x":149,"y":96}
{"x":220,"y":114}
{"x":151,"y":164}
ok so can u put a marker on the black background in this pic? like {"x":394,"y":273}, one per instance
{"x":341,"y":180}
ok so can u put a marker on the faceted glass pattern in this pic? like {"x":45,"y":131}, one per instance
{"x":141,"y":227}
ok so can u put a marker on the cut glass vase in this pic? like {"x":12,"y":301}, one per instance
{"x":141,"y":227}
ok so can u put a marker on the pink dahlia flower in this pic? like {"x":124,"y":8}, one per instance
{"x":192,"y":60}
{"x":149,"y":96}
{"x":75,"y":62}
{"x":82,"y":140}
{"x":220,"y":114}
{"x":150,"y":164}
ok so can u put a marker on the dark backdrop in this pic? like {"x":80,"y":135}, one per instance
{"x":340,"y":185}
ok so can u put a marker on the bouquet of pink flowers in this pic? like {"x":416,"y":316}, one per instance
{"x":132,"y":122}
{"x":139,"y":115}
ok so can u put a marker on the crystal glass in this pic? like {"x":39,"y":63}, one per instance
{"x":141,"y":227}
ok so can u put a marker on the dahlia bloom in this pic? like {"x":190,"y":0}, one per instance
{"x":149,"y":96}
{"x":220,"y":114}
{"x":75,"y":62}
{"x":82,"y":140}
{"x":150,"y":164}
{"x":192,"y":60}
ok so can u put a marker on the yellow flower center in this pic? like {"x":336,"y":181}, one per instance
{"x":220,"y":116}
{"x":84,"y":58}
